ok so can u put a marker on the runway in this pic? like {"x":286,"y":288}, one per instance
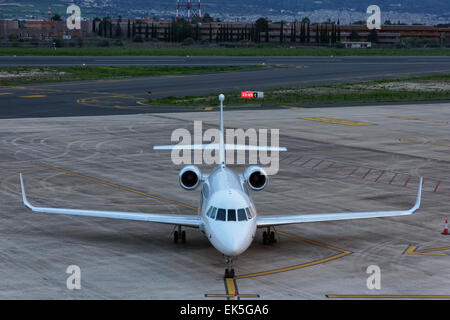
{"x":6,"y":61}
{"x":338,"y":159}
{"x":120,"y":96}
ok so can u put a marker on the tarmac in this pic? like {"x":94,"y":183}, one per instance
{"x":339,"y":159}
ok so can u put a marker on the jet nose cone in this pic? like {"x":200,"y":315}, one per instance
{"x":234,"y":240}
{"x":236,"y":247}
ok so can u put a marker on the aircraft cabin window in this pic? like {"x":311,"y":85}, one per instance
{"x":241,"y":215}
{"x":249,"y":215}
{"x":221,"y":214}
{"x":213,"y":214}
{"x":231,"y":215}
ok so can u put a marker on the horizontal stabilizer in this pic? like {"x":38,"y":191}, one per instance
{"x":215,"y":146}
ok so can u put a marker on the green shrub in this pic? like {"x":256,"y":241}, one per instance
{"x":188,"y":42}
{"x":103,"y":43}
{"x":138,"y":38}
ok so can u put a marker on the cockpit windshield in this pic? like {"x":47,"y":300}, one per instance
{"x":220,"y":214}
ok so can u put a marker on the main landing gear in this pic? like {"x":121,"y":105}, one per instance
{"x":179,"y":235}
{"x":229,"y":271}
{"x":269,"y":236}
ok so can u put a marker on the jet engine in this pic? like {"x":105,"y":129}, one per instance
{"x":190,"y":177}
{"x":256,"y":177}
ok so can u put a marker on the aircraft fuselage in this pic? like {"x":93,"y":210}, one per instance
{"x":227,"y":212}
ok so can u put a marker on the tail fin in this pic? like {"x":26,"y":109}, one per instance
{"x":221,"y":142}
{"x":221,"y":146}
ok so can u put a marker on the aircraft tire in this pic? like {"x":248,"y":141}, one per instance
{"x":272,"y":237}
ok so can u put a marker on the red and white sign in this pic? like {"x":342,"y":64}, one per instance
{"x":252,"y":94}
{"x":248,"y":94}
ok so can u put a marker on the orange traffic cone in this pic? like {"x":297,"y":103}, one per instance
{"x":235,"y":293}
{"x":446,"y":227}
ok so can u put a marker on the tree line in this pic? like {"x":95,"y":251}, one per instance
{"x":180,"y":30}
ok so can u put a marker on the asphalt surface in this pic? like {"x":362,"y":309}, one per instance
{"x":121,"y":96}
{"x":213,"y":60}
{"x":339,"y":159}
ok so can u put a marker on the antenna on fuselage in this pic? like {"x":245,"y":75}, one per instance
{"x":221,"y":142}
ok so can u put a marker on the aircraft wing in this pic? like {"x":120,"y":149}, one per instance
{"x":268,"y":221}
{"x":174,"y":219}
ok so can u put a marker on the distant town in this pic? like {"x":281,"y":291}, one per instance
{"x":232,"y":11}
{"x":115,"y":31}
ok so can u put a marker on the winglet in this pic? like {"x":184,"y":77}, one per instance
{"x":419,"y":195}
{"x":24,"y":196}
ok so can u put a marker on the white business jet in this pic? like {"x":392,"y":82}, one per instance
{"x":227,"y":214}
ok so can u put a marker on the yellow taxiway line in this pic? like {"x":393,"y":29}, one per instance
{"x":231,"y":288}
{"x":417,"y":119}
{"x":341,"y":254}
{"x":34,"y":96}
{"x":384,"y":296}
{"x":223,"y":295}
{"x":412,"y":250}
{"x":294,"y":107}
{"x":119,"y":186}
{"x":337,"y":121}
{"x":232,"y":292}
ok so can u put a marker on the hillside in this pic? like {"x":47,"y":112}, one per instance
{"x":135,"y":8}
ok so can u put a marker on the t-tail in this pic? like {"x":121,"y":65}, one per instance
{"x":221,"y":146}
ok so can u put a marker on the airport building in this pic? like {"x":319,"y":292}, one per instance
{"x":295,"y":33}
{"x":40,"y":29}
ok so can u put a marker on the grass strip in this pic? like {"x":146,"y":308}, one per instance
{"x":259,"y":50}
{"x":427,"y":88}
{"x":24,"y":75}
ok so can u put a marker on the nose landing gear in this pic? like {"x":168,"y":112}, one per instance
{"x":269,"y":237}
{"x":229,"y":271}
